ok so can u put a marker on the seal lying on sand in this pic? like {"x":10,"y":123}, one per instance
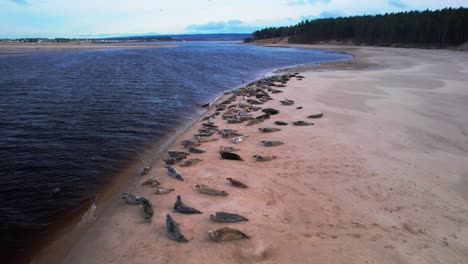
{"x":189,"y":143}
{"x":271,"y":143}
{"x":316,"y":116}
{"x":190,"y":162}
{"x":299,"y":107}
{"x":229,"y":149}
{"x":173,"y":231}
{"x":205,"y":189}
{"x":287,"y":102}
{"x":130,"y":198}
{"x":268,"y":129}
{"x":183,"y":209}
{"x":263,"y":117}
{"x":270,"y":111}
{"x":254,"y":122}
{"x":152,"y":182}
{"x":224,"y":217}
{"x":147,"y":210}
{"x":303,"y":123}
{"x":238,"y":140}
{"x":237,"y":183}
{"x":226,"y":234}
{"x":281,"y":123}
{"x":162,"y":190}
{"x":145,"y":170}
{"x":174,"y":173}
{"x":177,"y":154}
{"x":264,"y":158}
{"x":205,"y":139}
{"x":196,"y":150}
{"x":228,"y":155}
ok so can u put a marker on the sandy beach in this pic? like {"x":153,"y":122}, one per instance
{"x":381,"y":178}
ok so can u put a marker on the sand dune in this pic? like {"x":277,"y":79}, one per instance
{"x":382,"y":178}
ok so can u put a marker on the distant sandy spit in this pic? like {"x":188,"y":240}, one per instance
{"x":381,"y":178}
{"x":32,"y":48}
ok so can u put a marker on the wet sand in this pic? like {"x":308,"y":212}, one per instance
{"x":381,"y":178}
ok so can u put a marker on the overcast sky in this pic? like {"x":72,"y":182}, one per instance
{"x":86,"y":18}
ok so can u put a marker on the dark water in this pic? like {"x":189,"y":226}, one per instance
{"x":73,"y":120}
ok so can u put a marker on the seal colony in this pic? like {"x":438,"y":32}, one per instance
{"x":242,"y":107}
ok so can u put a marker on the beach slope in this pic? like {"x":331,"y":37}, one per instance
{"x":382,"y":177}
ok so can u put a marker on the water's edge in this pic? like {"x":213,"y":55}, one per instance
{"x":70,"y":231}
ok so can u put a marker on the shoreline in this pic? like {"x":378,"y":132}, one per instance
{"x":68,"y":232}
{"x":268,"y":248}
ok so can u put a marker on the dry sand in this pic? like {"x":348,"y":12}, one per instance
{"x":382,"y":178}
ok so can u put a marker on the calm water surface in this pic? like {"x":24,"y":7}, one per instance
{"x":73,"y":120}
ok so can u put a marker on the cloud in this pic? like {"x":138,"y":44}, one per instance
{"x":231,"y":26}
{"x":306,"y":2}
{"x":397,"y":3}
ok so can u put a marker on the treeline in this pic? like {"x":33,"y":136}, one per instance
{"x":444,"y":27}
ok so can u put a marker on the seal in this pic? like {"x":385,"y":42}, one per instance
{"x":316,"y":116}
{"x":264,"y":158}
{"x":303,"y":123}
{"x":208,"y":134}
{"x":174,"y":173}
{"x":196,"y":150}
{"x":229,"y":133}
{"x":270,"y":111}
{"x":205,"y":139}
{"x":147,"y":210}
{"x":130,"y":198}
{"x":162,"y":190}
{"x":171,"y":161}
{"x":226,"y":234}
{"x":223,"y":217}
{"x":238,"y":140}
{"x":271,"y":143}
{"x":145,"y":170}
{"x":254,"y":122}
{"x":173,"y":231}
{"x":152,"y":182}
{"x":263,"y":117}
{"x":189,"y":143}
{"x":268,"y":129}
{"x":177,"y":154}
{"x":287,"y":102}
{"x":281,"y":123}
{"x":205,"y":189}
{"x":227,"y":154}
{"x":180,"y":207}
{"x":190,"y":162}
{"x":237,"y":183}
{"x":299,"y":107}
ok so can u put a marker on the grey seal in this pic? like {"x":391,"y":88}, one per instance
{"x":226,"y":234}
{"x":223,"y":217}
{"x":268,"y":129}
{"x":130,"y":198}
{"x":303,"y":123}
{"x":195,"y":150}
{"x":153,"y":182}
{"x":174,"y":173}
{"x":270,"y":111}
{"x":173,"y":230}
{"x":162,"y":190}
{"x":237,"y":183}
{"x":205,"y":189}
{"x":316,"y":116}
{"x":147,"y":209}
{"x":177,"y":154}
{"x":190,"y":162}
{"x":264,"y":158}
{"x":180,"y":207}
{"x":271,"y":143}
{"x":281,"y":123}
{"x":189,"y":143}
{"x":145,"y":170}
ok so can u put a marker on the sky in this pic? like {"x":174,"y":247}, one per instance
{"x":102,"y":18}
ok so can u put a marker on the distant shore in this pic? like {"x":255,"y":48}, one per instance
{"x":381,"y":178}
{"x":32,"y":48}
